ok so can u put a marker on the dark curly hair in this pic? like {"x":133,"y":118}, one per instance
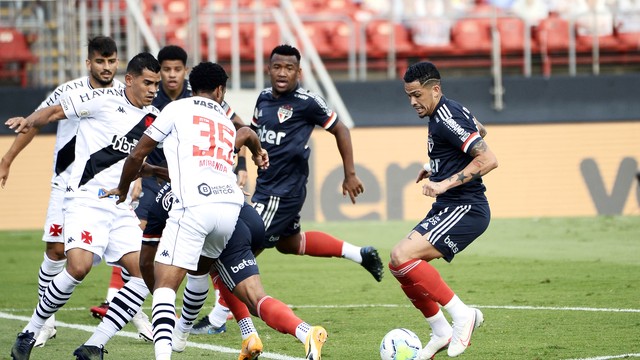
{"x":143,"y":61}
{"x":286,"y":50}
{"x":172,"y":52}
{"x":207,"y":76}
{"x":422,"y":72}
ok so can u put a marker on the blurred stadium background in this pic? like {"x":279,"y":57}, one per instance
{"x":554,"y":81}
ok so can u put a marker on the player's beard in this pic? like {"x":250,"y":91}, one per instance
{"x":101,"y":81}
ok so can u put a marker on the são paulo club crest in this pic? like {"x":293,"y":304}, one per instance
{"x":285,"y":112}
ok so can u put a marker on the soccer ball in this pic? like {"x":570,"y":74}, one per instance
{"x":400,"y":344}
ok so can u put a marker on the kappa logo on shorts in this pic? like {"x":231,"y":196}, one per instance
{"x":70,"y":240}
{"x":87,"y":238}
{"x":164,"y":253}
{"x":55,"y":230}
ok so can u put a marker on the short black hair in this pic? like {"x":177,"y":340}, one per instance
{"x":142,"y":61}
{"x":422,"y":72}
{"x":103,"y":45}
{"x":172,"y":52}
{"x":207,"y":76}
{"x":286,"y":50}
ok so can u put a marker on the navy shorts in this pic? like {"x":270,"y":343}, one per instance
{"x":150,"y":188}
{"x":237,"y":262}
{"x":157,"y":215}
{"x":281,"y":216}
{"x":452,"y":227}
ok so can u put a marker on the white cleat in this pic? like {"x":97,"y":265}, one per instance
{"x":434,"y":346}
{"x":179,"y":342}
{"x":462,"y":332}
{"x":47,"y":332}
{"x":141,"y":322}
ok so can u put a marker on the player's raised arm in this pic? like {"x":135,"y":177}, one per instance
{"x":37,"y":119}
{"x":247,"y":137}
{"x":351,"y":184}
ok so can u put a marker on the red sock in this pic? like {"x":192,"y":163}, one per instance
{"x":237,"y":307}
{"x":319,"y":244}
{"x":423,"y":285}
{"x":278,"y":315}
{"x":220,"y":298}
{"x":116,"y":279}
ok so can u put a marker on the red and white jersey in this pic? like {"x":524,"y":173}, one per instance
{"x":109,"y":127}
{"x":64,"y":148}
{"x":198,"y":142}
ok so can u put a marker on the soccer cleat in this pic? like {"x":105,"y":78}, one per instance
{"x":434,"y":346}
{"x":461,"y":337}
{"x":179,"y":342}
{"x":313,"y":344}
{"x":141,"y":322}
{"x":371,"y":262}
{"x":100,"y":311}
{"x":89,"y":352}
{"x":47,"y":332}
{"x":204,"y":326}
{"x":21,"y":349}
{"x":251,"y":348}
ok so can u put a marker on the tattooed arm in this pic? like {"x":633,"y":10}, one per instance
{"x":484,"y":160}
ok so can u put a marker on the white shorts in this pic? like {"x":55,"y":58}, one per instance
{"x":101,"y":227}
{"x":194,"y":231}
{"x":53,"y":224}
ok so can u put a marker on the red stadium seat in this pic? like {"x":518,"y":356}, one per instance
{"x":319,"y":35}
{"x":629,"y":41}
{"x":553,"y":35}
{"x":511,"y":35}
{"x":472,"y":36}
{"x":378,"y":33}
{"x":341,"y":37}
{"x":15,"y":55}
{"x":269,"y":34}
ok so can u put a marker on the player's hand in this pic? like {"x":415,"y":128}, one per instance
{"x":261,"y":160}
{"x":432,"y":189}
{"x":122,"y":196}
{"x":19,"y":124}
{"x":353,"y":186}
{"x":4,"y":172}
{"x":242,"y":177}
{"x":423,"y":174}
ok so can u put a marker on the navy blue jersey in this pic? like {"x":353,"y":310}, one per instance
{"x":284,"y":126}
{"x":452,"y":135}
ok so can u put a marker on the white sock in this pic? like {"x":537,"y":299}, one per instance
{"x":111,"y":292}
{"x":164,"y":316}
{"x":48,"y":270}
{"x":440,"y":327}
{"x":351,"y":252}
{"x":457,"y":309}
{"x":218,"y":315}
{"x":302,"y":331}
{"x":246,"y":327}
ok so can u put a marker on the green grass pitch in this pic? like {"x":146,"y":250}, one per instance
{"x":550,"y":288}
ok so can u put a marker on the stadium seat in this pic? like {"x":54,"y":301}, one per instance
{"x":319,"y":35}
{"x":378,"y":33}
{"x":341,"y":37}
{"x":552,"y":35}
{"x":472,"y":36}
{"x":269,"y":34}
{"x":15,"y":55}
{"x":629,"y":41}
{"x":511,"y":31}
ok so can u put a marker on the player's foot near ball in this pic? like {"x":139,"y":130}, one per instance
{"x":371,"y":261}
{"x":462,"y":332}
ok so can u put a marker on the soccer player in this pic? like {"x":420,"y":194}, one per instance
{"x":198,"y":140}
{"x":284,"y":117}
{"x":102,"y":65}
{"x":459,"y":157}
{"x":110,"y":122}
{"x":244,"y":281}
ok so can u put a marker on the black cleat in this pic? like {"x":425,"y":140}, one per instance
{"x":21,"y":349}
{"x":89,"y":352}
{"x":371,"y":262}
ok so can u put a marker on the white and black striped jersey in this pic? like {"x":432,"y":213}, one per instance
{"x":63,"y":151}
{"x":198,"y":141}
{"x":109,"y":127}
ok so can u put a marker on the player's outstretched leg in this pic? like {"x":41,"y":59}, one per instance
{"x":371,"y":261}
